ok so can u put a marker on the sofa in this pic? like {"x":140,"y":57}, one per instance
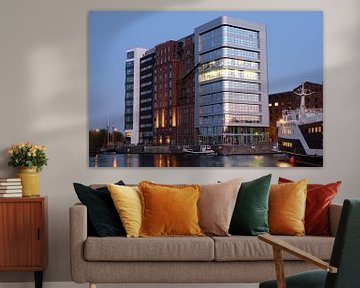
{"x":233,"y":259}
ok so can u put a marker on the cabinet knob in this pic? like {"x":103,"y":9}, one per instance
{"x":38,"y":234}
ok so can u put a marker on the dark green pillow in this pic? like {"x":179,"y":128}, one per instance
{"x":250,"y":216}
{"x":103,"y":218}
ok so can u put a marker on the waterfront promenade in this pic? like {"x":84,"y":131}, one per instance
{"x":250,"y":149}
{"x":186,"y":160}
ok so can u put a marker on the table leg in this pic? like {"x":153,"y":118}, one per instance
{"x":38,"y":279}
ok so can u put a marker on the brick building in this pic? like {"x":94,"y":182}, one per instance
{"x":166,"y":73}
{"x":186,"y":133}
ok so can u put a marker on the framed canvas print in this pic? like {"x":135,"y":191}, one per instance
{"x":205,"y":88}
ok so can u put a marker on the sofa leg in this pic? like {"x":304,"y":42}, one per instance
{"x":92,"y":285}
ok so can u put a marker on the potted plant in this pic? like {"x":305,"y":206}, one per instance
{"x":30,"y":158}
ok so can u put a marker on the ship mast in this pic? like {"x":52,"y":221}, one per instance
{"x":302,"y":92}
{"x":108,"y":131}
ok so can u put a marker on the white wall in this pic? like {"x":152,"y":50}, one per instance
{"x":43,"y":90}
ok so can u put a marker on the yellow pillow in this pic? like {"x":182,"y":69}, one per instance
{"x":169,"y":210}
{"x":287,"y":204}
{"x":127,"y":201}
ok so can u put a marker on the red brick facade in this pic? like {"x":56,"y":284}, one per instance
{"x":166,"y":73}
{"x":186,"y":93}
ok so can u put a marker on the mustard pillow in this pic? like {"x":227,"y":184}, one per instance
{"x":169,"y":210}
{"x":287,"y":204}
{"x":127,"y":201}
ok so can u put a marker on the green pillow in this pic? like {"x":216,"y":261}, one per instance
{"x":250,"y":216}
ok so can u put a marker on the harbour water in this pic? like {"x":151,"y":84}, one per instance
{"x":185,"y":160}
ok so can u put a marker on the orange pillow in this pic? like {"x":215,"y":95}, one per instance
{"x":319,"y":197}
{"x":287,"y":204}
{"x":169,"y":210}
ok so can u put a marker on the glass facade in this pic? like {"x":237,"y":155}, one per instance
{"x":229,"y":36}
{"x":229,"y":52}
{"x":227,"y":85}
{"x":233,"y":97}
{"x":231,"y":80}
{"x":229,"y":63}
{"x":228,"y":73}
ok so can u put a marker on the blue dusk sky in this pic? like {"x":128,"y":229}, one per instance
{"x":294,"y":42}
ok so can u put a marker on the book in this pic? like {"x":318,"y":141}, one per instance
{"x":10,"y":191}
{"x":10,"y":180}
{"x":5,"y":195}
{"x":10,"y":187}
{"x":9,"y":183}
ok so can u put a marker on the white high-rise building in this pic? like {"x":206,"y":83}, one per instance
{"x":132,"y":94}
{"x":231,"y":84}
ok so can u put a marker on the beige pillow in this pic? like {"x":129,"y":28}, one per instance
{"x":216,"y":206}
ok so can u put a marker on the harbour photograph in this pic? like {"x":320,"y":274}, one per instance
{"x":205,"y":89}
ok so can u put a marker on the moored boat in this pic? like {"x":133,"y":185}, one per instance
{"x":200,"y":150}
{"x":300,"y":133}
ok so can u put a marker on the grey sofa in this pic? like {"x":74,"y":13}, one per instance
{"x":234,"y":259}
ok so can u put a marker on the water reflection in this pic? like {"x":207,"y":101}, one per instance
{"x":185,"y":160}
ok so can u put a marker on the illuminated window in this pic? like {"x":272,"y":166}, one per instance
{"x":228,"y":73}
{"x":162,"y":118}
{"x":173,"y":117}
{"x":287,"y":144}
{"x":276,"y":104}
{"x":228,"y":63}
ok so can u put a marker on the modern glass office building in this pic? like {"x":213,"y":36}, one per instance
{"x":132,"y":94}
{"x":231,"y":83}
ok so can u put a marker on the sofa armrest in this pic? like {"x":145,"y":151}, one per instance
{"x":78,"y":235}
{"x":334,"y":217}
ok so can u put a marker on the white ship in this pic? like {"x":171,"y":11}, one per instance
{"x":300,"y":132}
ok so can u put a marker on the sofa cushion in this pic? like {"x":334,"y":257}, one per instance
{"x":169,"y":210}
{"x":149,"y":249}
{"x":250,"y":215}
{"x":127,"y":201}
{"x":287,"y":204}
{"x":216,"y":206}
{"x":245,"y":248}
{"x":318,"y":199}
{"x":102,"y":216}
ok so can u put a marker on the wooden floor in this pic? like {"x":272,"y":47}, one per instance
{"x":74,"y":285}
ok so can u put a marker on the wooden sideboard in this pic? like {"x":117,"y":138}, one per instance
{"x":23,"y":235}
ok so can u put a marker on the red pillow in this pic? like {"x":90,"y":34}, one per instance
{"x":319,"y":197}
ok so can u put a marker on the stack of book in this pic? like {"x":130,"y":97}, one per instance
{"x":10,"y":187}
